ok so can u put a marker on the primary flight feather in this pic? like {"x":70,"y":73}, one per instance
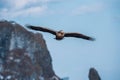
{"x":60,"y":34}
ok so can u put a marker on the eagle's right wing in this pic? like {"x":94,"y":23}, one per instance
{"x":38,"y":28}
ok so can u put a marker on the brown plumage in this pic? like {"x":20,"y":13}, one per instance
{"x":60,"y":34}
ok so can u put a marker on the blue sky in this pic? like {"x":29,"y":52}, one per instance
{"x":73,"y":57}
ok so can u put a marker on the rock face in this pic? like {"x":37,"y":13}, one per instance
{"x":93,"y":74}
{"x":23,"y":54}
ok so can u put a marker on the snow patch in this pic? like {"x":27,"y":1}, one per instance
{"x":41,"y":78}
{"x":8,"y":77}
{"x":11,"y":58}
{"x":17,"y":60}
{"x":1,"y":77}
{"x":12,"y":41}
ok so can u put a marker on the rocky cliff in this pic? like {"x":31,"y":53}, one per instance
{"x":23,"y":54}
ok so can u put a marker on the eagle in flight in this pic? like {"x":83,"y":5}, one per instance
{"x":60,"y":34}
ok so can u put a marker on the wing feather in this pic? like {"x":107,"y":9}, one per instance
{"x":39,"y":28}
{"x":78,"y":35}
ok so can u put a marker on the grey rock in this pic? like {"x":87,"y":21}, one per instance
{"x":23,"y":54}
{"x":93,"y":74}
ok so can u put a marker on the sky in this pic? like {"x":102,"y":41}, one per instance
{"x":73,"y":57}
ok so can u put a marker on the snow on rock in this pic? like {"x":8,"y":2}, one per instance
{"x":23,"y":54}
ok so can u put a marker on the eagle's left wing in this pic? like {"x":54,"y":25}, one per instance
{"x":78,"y":35}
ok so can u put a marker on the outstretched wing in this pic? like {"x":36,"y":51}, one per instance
{"x":38,"y":28}
{"x":78,"y":35}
